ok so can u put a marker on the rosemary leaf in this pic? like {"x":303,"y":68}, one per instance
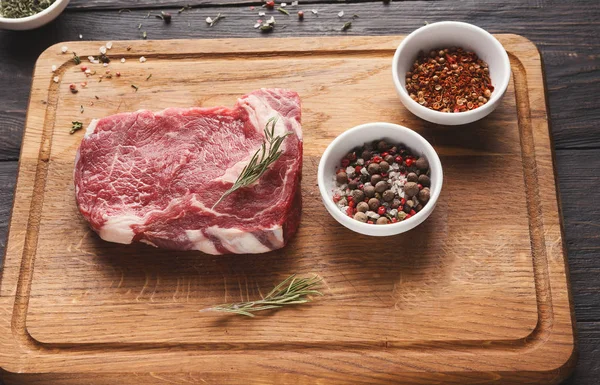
{"x":136,"y":88}
{"x":291,"y":291}
{"x":149,"y":76}
{"x":346,"y":25}
{"x":260,"y":161}
{"x":283,"y":11}
{"x":185,"y":7}
{"x":76,"y":127}
{"x":76,"y":59}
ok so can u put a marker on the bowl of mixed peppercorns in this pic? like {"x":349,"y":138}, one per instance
{"x":451,"y":72}
{"x":380,"y":179}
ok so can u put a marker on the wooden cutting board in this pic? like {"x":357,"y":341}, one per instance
{"x":477,"y":294}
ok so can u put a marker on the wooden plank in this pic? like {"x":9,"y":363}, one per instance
{"x":484,"y":312}
{"x":8,"y":176}
{"x":563,"y":32}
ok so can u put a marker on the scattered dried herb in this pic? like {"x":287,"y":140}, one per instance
{"x":260,"y":161}
{"x":96,"y":96}
{"x":76,"y":59}
{"x":124,"y":10}
{"x":214,"y":21}
{"x":149,"y":76}
{"x":81,"y":109}
{"x":15,"y":9}
{"x":139,"y":27}
{"x":347,"y":25}
{"x":283,"y":11}
{"x":144,"y":35}
{"x":165,"y":16}
{"x":76,"y":127}
{"x":103,"y":58}
{"x":185,"y":8}
{"x":291,"y":291}
{"x":136,"y":88}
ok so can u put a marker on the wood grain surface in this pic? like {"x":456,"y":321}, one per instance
{"x":566,"y":33}
{"x":478,"y":293}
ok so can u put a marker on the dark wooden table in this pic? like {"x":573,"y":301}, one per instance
{"x":566,"y":32}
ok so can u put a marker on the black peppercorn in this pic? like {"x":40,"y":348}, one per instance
{"x":383,"y":221}
{"x":363,"y":207}
{"x":412,"y":177}
{"x":396,"y":203}
{"x":411,"y":189}
{"x":424,"y":180}
{"x":388,"y":195}
{"x":369,"y":191}
{"x":366,"y":155}
{"x":373,"y":168}
{"x":384,"y":166}
{"x":424,"y":195}
{"x":376,"y":179}
{"x":342,"y":177}
{"x":383,"y":146}
{"x":422,"y":164}
{"x":373,"y":204}
{"x":381,"y":186}
{"x":353,"y":184}
{"x":360,"y":216}
{"x":358,"y":195}
{"x":389,"y":159}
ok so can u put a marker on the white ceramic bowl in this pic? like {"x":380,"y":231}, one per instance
{"x":35,"y":21}
{"x":444,"y":35}
{"x":357,"y":136}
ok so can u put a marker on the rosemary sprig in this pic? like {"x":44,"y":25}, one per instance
{"x":291,"y":291}
{"x":260,"y":161}
{"x":285,"y":12}
{"x":76,"y":59}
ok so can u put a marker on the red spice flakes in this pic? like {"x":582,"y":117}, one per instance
{"x":73,"y":88}
{"x":449,"y":80}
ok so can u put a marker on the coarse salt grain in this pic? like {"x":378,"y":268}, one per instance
{"x":283,"y":5}
{"x":350,"y":171}
{"x":104,"y":64}
{"x":209,"y":20}
{"x":88,"y":71}
{"x":360,"y":161}
{"x":294,"y":3}
{"x":80,"y":36}
{"x":109,"y":45}
{"x":56,"y":79}
{"x":314,"y":11}
{"x":271,"y":20}
{"x":103,"y":50}
{"x":123,"y":60}
{"x":53,"y":68}
{"x":142,"y":59}
{"x":261,"y":14}
{"x":341,"y":14}
{"x":64,"y":49}
{"x":257,"y":25}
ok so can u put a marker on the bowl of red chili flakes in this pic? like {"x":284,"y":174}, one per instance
{"x":451,"y":73}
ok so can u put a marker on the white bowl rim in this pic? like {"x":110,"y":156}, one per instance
{"x":498,"y":91}
{"x":410,"y":223}
{"x":10,"y":20}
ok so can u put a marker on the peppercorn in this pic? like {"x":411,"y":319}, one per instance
{"x":369,"y":191}
{"x":395,"y":203}
{"x":166,"y":17}
{"x":424,"y":195}
{"x":412,"y":177}
{"x":361,"y":217}
{"x":401,"y":215}
{"x":373,"y":204}
{"x":300,"y":15}
{"x":364,"y":178}
{"x":408,"y":162}
{"x":419,"y":207}
{"x":358,"y":195}
{"x":388,"y":195}
{"x":411,"y":189}
{"x":366,"y":155}
{"x":376,"y":179}
{"x":424,"y":180}
{"x":382,"y":146}
{"x":381,"y":186}
{"x":406,"y":208}
{"x":383,"y":221}
{"x":374,"y":168}
{"x":389,"y":159}
{"x":422,"y":164}
{"x":353,"y":184}
{"x":384,"y":166}
{"x":342,"y":177}
{"x":270,"y":4}
{"x":363,"y":207}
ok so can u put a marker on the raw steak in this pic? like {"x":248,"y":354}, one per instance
{"x":154,"y":177}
